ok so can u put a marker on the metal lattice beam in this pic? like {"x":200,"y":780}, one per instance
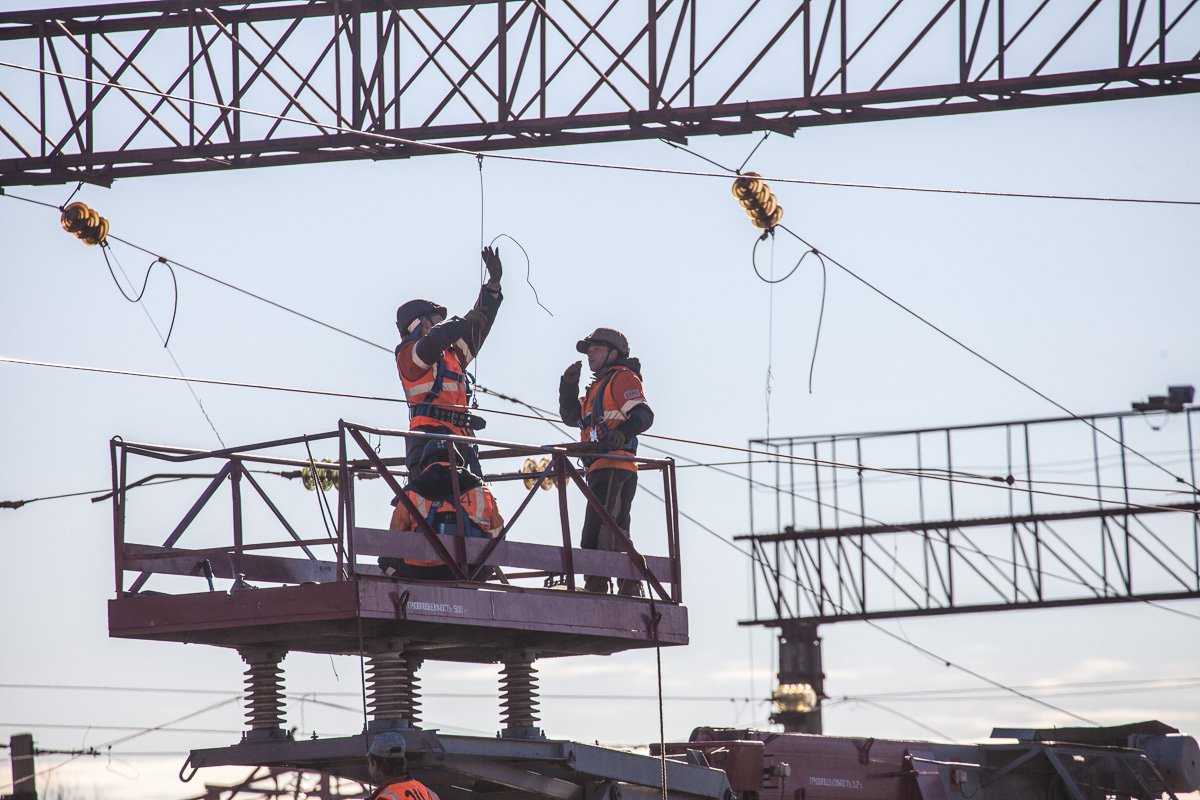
{"x":171,"y":84}
{"x":1060,"y":514}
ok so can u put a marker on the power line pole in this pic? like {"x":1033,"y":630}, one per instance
{"x":20,"y":749}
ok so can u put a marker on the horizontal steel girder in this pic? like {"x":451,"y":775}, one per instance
{"x":174,"y":87}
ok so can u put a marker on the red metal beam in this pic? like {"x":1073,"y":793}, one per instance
{"x":486,"y":86}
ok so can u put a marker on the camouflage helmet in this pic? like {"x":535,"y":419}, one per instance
{"x":608,"y":336}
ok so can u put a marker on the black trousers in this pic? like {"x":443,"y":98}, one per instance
{"x":615,"y":488}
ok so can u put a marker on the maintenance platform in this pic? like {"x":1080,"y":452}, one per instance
{"x":314,"y":585}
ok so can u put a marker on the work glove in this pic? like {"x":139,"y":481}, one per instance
{"x":570,"y":376}
{"x":615,"y":439}
{"x":491,"y":260}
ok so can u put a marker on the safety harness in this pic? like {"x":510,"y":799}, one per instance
{"x":450,"y":416}
{"x":595,"y":419}
{"x":445,"y":521}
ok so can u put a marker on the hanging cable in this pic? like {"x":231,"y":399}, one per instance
{"x":145,"y":283}
{"x":528,"y":269}
{"x":985,"y":359}
{"x":746,"y":160}
{"x":692,"y":152}
{"x":170,"y":354}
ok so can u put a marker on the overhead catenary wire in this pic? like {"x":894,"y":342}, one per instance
{"x":820,"y":255}
{"x":923,"y":650}
{"x":696,"y":442}
{"x":980,"y":356}
{"x":919,"y":648}
{"x":138,"y":733}
{"x":308,"y":696}
{"x":446,"y":148}
{"x":812,"y":365}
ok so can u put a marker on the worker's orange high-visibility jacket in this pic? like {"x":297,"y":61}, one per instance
{"x":420,"y":380}
{"x":618,"y":389}
{"x":406,"y":790}
{"x":478,"y":504}
{"x":452,"y":343}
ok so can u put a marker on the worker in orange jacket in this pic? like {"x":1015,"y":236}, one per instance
{"x":432,"y":360}
{"x":431,"y":491}
{"x":611,"y":413}
{"x":387,"y":767}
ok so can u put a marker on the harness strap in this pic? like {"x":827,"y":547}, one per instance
{"x":450,"y":416}
{"x":436,"y":510}
{"x":596,"y":417}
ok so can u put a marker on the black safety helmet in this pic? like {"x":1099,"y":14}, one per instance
{"x":609,"y":336}
{"x":414,"y":310}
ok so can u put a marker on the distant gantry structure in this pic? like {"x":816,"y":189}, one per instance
{"x":308,"y":581}
{"x":116,"y":90}
{"x":1024,"y":514}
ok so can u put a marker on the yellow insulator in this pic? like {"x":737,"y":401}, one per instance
{"x":758,"y":201}
{"x":534,"y":468}
{"x":71,"y":216}
{"x":87,"y":225}
{"x":325,"y":477}
{"x":795,"y":698}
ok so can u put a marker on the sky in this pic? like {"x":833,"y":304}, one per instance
{"x":1091,"y":303}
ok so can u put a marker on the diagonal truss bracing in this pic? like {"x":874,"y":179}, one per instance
{"x":1024,"y":514}
{"x":167,"y":86}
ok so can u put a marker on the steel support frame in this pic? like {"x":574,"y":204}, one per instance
{"x":542,"y":768}
{"x":853,"y":566}
{"x":171,"y":87}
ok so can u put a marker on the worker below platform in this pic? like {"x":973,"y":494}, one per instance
{"x":432,"y":360}
{"x":431,"y":491}
{"x":612,"y":412}
{"x":387,"y":768}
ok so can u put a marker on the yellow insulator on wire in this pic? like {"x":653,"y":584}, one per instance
{"x":758,"y":200}
{"x":87,"y":225}
{"x":325,"y":477}
{"x":534,"y":468}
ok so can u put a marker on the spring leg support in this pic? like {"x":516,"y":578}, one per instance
{"x":264,"y":695}
{"x":393,"y":688}
{"x":518,"y":697}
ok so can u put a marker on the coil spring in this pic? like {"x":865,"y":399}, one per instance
{"x":518,"y":691}
{"x":264,"y":690}
{"x":393,"y":686}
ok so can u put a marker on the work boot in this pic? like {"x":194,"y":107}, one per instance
{"x":597,"y":585}
{"x":628,"y":588}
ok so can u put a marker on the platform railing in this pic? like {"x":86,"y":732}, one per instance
{"x":349,"y":543}
{"x":466,"y":557}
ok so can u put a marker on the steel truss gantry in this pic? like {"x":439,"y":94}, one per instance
{"x":1024,"y":514}
{"x":170,"y":86}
